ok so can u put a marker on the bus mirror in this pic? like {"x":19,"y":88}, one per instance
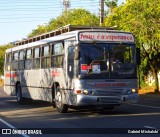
{"x":138,"y":57}
{"x":76,"y":55}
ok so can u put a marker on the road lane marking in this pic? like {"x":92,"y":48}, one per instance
{"x":9,"y":125}
{"x":145,"y":106}
{"x":6,"y":123}
{"x":151,"y":127}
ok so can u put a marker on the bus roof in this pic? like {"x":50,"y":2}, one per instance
{"x":58,"y":36}
{"x":61,"y":30}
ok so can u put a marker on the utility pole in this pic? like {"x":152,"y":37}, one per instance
{"x":66,"y":4}
{"x":101,"y":12}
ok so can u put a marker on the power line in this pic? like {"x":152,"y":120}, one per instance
{"x":36,"y":13}
{"x":46,"y":8}
{"x":56,"y":4}
{"x":27,"y":1}
{"x":22,"y":9}
{"x":42,"y":1}
{"x":37,"y":4}
{"x":23,"y":21}
{"x":37,"y":8}
{"x":30,"y":5}
{"x":28,"y":17}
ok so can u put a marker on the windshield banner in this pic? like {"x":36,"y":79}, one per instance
{"x":106,"y":36}
{"x":95,"y":68}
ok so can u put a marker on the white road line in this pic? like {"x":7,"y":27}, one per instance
{"x":151,"y":127}
{"x":144,"y":106}
{"x":9,"y":125}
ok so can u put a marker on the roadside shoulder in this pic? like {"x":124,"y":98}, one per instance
{"x":150,"y":97}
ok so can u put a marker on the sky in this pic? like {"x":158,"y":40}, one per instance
{"x":19,"y":17}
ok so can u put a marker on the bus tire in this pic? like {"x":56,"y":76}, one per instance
{"x":19,"y":98}
{"x":62,"y":108}
{"x":53,"y":100}
{"x":54,"y":87}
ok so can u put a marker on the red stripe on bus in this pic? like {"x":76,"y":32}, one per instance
{"x":11,"y":75}
{"x":55,"y":73}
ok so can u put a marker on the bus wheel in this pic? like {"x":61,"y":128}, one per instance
{"x":62,"y":108}
{"x":53,"y":101}
{"x":20,"y":100}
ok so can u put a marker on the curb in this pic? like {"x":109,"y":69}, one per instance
{"x":150,"y":97}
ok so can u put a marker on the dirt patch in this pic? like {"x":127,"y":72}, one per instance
{"x":146,"y":90}
{"x":2,"y":93}
{"x":1,"y":82}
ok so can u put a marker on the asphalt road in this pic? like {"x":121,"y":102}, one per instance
{"x":41,"y":115}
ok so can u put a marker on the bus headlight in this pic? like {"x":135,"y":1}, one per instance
{"x":87,"y":92}
{"x":129,"y":91}
{"x":134,"y":90}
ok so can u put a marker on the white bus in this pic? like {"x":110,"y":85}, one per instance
{"x":74,"y":67}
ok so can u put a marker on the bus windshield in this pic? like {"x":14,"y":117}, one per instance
{"x":107,"y":60}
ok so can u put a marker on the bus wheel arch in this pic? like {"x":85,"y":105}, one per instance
{"x":54,"y":86}
{"x":19,"y":97}
{"x":62,"y":108}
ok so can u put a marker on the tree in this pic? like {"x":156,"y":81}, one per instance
{"x":111,"y":4}
{"x":2,"y":56}
{"x":39,"y":30}
{"x":74,"y":17}
{"x":141,"y":18}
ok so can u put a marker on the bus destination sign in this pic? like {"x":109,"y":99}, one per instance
{"x":106,"y":36}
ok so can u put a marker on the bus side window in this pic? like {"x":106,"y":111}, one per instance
{"x":28,"y":61}
{"x":21,"y":60}
{"x":45,"y":56}
{"x":36,"y":58}
{"x":57,"y":55}
{"x":70,"y":62}
{"x":15,"y":61}
{"x":8,"y":64}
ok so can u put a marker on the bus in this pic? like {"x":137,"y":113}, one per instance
{"x":74,"y":67}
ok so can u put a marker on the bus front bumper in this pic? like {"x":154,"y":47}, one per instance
{"x":84,"y":100}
